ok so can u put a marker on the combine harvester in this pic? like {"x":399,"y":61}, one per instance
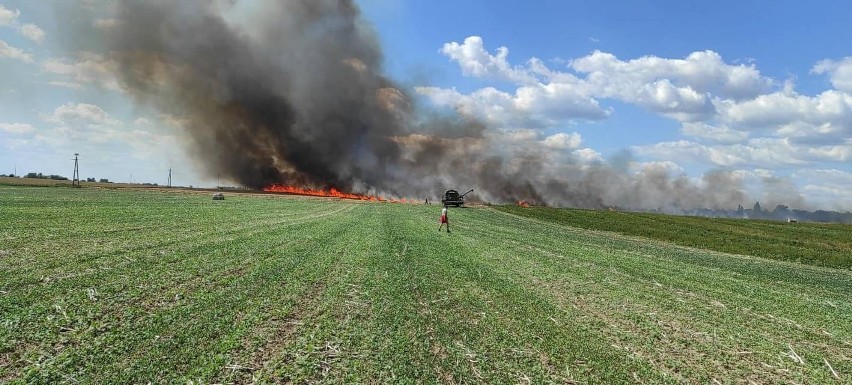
{"x":452,"y":198}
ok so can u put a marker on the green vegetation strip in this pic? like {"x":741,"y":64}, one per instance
{"x":130,"y":286}
{"x":810,"y":243}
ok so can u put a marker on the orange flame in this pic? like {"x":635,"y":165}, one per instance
{"x":523,"y":204}
{"x":332,"y":192}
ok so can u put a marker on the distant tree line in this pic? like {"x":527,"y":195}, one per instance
{"x":779,"y":213}
{"x":38,"y":175}
{"x":42,"y":176}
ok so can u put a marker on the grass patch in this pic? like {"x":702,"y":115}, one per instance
{"x":810,"y":243}
{"x":110,"y":286}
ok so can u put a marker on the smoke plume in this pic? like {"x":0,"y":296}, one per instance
{"x":294,"y":93}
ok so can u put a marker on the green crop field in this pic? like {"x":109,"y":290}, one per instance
{"x":820,"y":244}
{"x":132,"y":286}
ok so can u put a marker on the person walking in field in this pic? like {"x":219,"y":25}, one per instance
{"x":444,"y":219}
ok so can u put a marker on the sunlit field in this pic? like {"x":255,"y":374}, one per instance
{"x":132,"y":286}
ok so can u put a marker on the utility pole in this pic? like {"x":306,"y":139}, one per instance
{"x":170,"y":177}
{"x":217,"y":181}
{"x":75,"y":179}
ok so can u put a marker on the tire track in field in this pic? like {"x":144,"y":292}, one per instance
{"x":612,"y":316}
{"x":807,"y":287}
{"x":656,"y":315}
{"x":815,"y":271}
{"x":658,"y":259}
{"x":164,"y":305}
{"x":255,"y":359}
{"x":175,"y":296}
{"x":192,"y":238}
{"x":275,"y":338}
{"x":140,"y":353}
{"x":686,"y":328}
{"x":643,"y":262}
{"x":490,"y":327}
{"x":260,"y":296}
{"x":817,"y":277}
{"x":185,"y":218}
{"x":184,"y":223}
{"x":243,"y":231}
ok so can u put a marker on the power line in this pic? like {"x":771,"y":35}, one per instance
{"x":75,"y":179}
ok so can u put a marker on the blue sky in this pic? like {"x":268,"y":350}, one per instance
{"x":759,"y":89}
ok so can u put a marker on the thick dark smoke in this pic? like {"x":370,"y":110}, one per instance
{"x":294,"y":93}
{"x":296,"y":98}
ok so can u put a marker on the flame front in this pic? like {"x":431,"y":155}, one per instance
{"x":332,"y":192}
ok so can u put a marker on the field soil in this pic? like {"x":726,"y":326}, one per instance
{"x":137,"y":286}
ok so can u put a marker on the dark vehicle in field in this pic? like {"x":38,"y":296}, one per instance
{"x":452,"y":198}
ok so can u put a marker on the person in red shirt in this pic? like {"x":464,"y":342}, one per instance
{"x":444,"y":219}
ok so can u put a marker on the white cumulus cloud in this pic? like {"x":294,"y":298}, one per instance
{"x":86,"y":68}
{"x":781,"y":108}
{"x":530,"y":107}
{"x":826,"y":117}
{"x":729,"y":113}
{"x":32,"y":32}
{"x":563,"y":141}
{"x":90,"y":129}
{"x":16,"y":128}
{"x":835,"y":153}
{"x":475,"y":60}
{"x":85,"y":113}
{"x":667,"y":167}
{"x":701,"y":71}
{"x":587,"y":156}
{"x":11,"y":52}
{"x":766,"y":153}
{"x":840,"y":72}
{"x":8,"y":17}
{"x":719,"y":134}
{"x":678,"y":88}
{"x":557,"y":149}
{"x":682,"y":89}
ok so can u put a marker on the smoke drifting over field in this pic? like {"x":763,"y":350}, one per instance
{"x":297,"y":96}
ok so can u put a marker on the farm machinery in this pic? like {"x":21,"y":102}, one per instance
{"x":452,"y":198}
